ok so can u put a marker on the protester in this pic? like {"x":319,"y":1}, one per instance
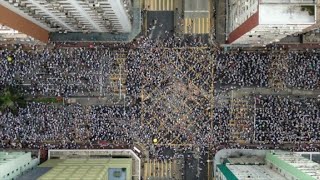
{"x":179,"y":73}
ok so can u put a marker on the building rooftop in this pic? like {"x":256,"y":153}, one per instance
{"x":256,"y":172}
{"x":286,"y":14}
{"x":297,"y":161}
{"x":88,"y":168}
{"x":6,"y":157}
{"x":246,"y":160}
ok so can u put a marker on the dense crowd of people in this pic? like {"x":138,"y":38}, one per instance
{"x":243,"y":69}
{"x":171,"y":85}
{"x":304,"y":70}
{"x":254,"y":69}
{"x":281,"y":119}
{"x":64,"y":126}
{"x":56,"y":72}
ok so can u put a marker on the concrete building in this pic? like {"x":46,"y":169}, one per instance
{"x":264,"y":164}
{"x":9,"y":35}
{"x":102,"y":164}
{"x":14,"y":164}
{"x":92,"y":168}
{"x":37,"y":18}
{"x":260,"y":22}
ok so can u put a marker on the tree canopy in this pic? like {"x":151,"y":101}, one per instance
{"x":11,"y":99}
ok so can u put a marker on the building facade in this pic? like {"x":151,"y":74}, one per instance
{"x":14,"y":164}
{"x":38,"y":18}
{"x":261,"y":22}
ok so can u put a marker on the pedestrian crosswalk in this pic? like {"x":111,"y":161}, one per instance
{"x":156,"y":168}
{"x":197,"y":25}
{"x":159,"y":5}
{"x":118,"y":74}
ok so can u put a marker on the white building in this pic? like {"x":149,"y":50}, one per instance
{"x":13,"y":164}
{"x":264,"y":165}
{"x":74,"y":15}
{"x":260,"y":22}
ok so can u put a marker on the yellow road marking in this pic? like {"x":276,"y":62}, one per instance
{"x":172,"y":5}
{"x":146,"y":170}
{"x":163,"y":4}
{"x":166,"y":166}
{"x":150,"y":168}
{"x":190,"y":25}
{"x":158,"y":165}
{"x":203,"y":25}
{"x":168,"y":4}
{"x":154,"y":166}
{"x":151,"y":4}
{"x":208,"y":25}
{"x":159,"y":5}
{"x":194,"y":26}
{"x":185,"y":25}
{"x":199,"y":25}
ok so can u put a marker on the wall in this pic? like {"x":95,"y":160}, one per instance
{"x":16,"y":166}
{"x":17,"y":22}
{"x":245,"y":27}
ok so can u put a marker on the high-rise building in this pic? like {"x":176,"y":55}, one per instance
{"x":260,"y":22}
{"x":39,"y":17}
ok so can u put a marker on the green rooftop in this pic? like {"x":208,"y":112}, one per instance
{"x":87,"y":168}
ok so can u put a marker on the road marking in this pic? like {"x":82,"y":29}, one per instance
{"x":164,"y":4}
{"x":199,"y":25}
{"x":170,"y":170}
{"x":158,"y":5}
{"x":196,"y":25}
{"x":145,"y":170}
{"x":190,"y":25}
{"x":198,"y":11}
{"x":203,"y":25}
{"x":208,"y":25}
{"x":185,"y":25}
{"x":151,"y":4}
{"x":193,"y":26}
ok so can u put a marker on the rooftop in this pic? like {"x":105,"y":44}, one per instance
{"x":87,"y":168}
{"x":286,"y":14}
{"x":305,"y":165}
{"x":9,"y":156}
{"x":256,"y":172}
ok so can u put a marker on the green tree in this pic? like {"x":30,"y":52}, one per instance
{"x":11,"y":99}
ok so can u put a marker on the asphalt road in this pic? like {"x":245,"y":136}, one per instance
{"x":160,"y":22}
